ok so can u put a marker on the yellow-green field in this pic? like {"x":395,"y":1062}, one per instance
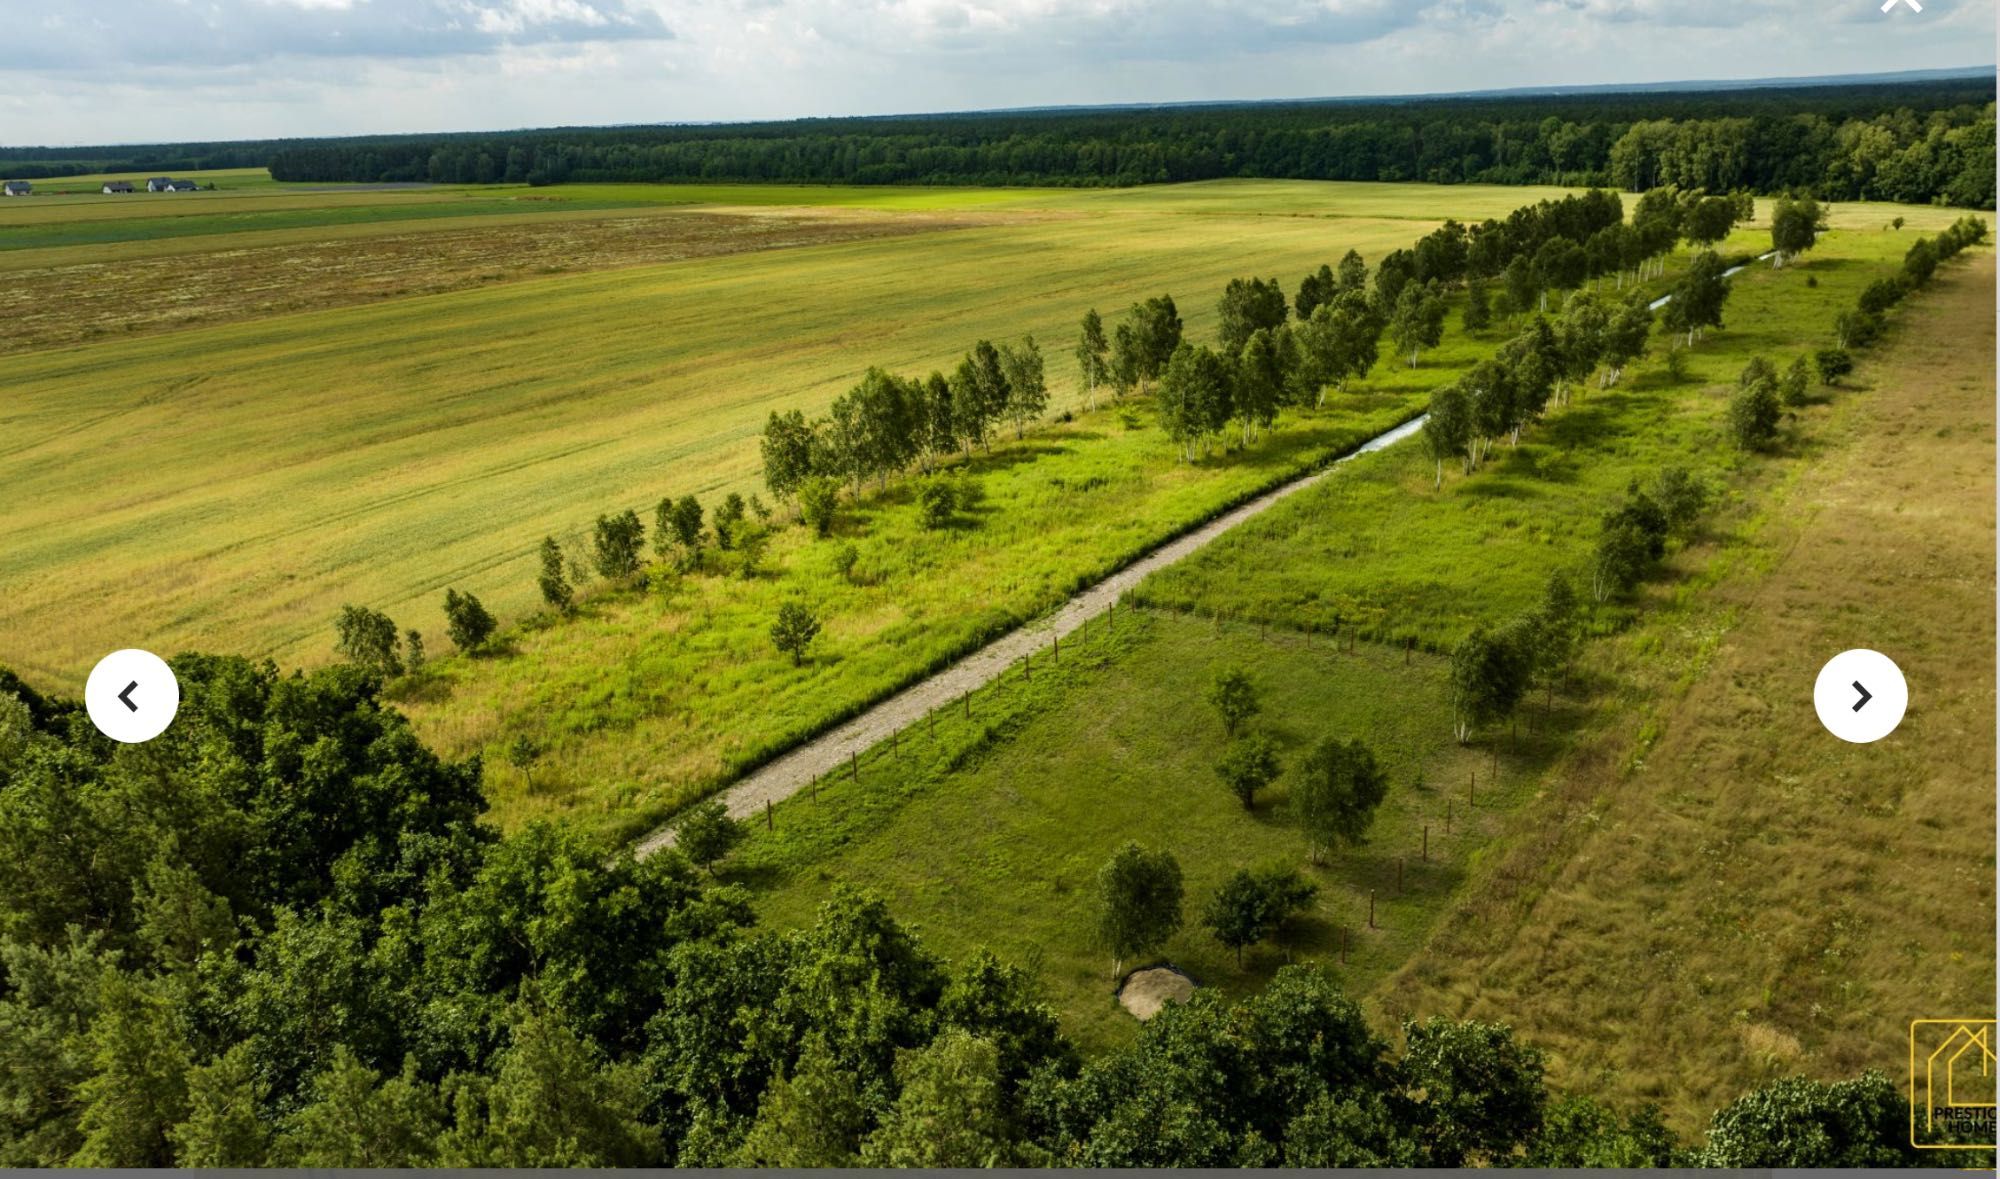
{"x":229,"y":487}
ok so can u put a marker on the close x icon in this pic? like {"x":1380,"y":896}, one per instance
{"x":1952,"y":1083}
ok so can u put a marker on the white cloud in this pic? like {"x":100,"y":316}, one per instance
{"x":139,"y":70}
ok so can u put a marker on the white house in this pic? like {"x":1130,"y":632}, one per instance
{"x":16,"y":188}
{"x":111,"y":186}
{"x":160,"y":184}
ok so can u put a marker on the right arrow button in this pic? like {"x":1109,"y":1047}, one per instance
{"x":1860,"y":696}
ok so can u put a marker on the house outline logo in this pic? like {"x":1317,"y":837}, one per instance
{"x":1953,"y":1069}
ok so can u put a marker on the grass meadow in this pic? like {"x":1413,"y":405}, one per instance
{"x":1376,"y":546}
{"x":989,"y":832}
{"x":266,"y":472}
{"x":1711,"y":879}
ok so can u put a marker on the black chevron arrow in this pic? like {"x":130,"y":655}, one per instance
{"x":1865,"y":696}
{"x":125,"y":697}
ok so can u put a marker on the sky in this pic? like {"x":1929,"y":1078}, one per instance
{"x":135,"y":71}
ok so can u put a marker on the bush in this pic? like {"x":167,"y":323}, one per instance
{"x":617,"y":543}
{"x":466,"y":621}
{"x":1832,"y":364}
{"x":937,"y":500}
{"x":369,"y":638}
{"x":708,"y":834}
{"x":1792,"y":386}
{"x":794,"y":630}
{"x":1234,"y":698}
{"x":844,"y":560}
{"x":1881,"y":295}
{"x":1633,"y":537}
{"x":728,"y":522}
{"x":1753,"y":416}
{"x":819,"y":503}
{"x":1682,"y":498}
{"x":1921,"y":262}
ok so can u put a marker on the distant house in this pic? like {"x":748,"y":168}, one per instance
{"x":160,"y":184}
{"x":117,"y":186}
{"x":182,"y":186}
{"x":16,"y":188}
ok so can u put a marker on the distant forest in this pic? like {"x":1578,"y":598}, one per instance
{"x":1925,"y":141}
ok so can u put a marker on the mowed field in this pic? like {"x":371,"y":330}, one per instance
{"x":1714,"y":891}
{"x":229,"y":487}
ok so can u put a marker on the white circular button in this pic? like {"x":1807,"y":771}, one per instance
{"x":1860,"y":696}
{"x":132,"y":696}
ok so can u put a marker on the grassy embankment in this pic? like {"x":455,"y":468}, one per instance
{"x":989,"y":833}
{"x":428,"y":442}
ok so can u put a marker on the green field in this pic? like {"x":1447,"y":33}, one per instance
{"x":1378,"y":547}
{"x":989,"y":831}
{"x":269,"y":471}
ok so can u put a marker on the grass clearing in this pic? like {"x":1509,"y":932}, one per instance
{"x":989,"y":831}
{"x":1713,"y":879}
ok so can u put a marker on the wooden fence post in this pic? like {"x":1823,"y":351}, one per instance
{"x":770,"y":824}
{"x":1427,"y":843}
{"x":1371,"y":908}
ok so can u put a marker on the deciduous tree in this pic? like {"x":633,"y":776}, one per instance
{"x":1138,"y":903}
{"x":1335,"y":790}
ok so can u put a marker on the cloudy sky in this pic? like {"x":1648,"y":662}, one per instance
{"x":107,"y":71}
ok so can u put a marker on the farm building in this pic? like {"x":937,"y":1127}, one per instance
{"x":182,"y":186}
{"x":16,"y":188}
{"x":117,"y":186}
{"x":160,"y":184}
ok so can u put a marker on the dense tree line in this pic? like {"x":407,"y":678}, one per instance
{"x":1913,"y":141}
{"x":281,"y":934}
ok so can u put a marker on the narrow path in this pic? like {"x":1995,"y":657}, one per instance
{"x":785,"y":776}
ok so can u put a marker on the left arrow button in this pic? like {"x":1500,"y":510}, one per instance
{"x":132,"y":696}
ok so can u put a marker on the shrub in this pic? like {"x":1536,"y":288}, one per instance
{"x":617,"y":541}
{"x":466,"y":620}
{"x":1753,"y":416}
{"x":819,"y":502}
{"x":708,"y":834}
{"x":1682,"y":498}
{"x":1832,"y":364}
{"x":936,"y":502}
{"x":794,"y":630}
{"x":368,"y":638}
{"x":1881,"y":295}
{"x":1792,"y":386}
{"x":844,"y":560}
